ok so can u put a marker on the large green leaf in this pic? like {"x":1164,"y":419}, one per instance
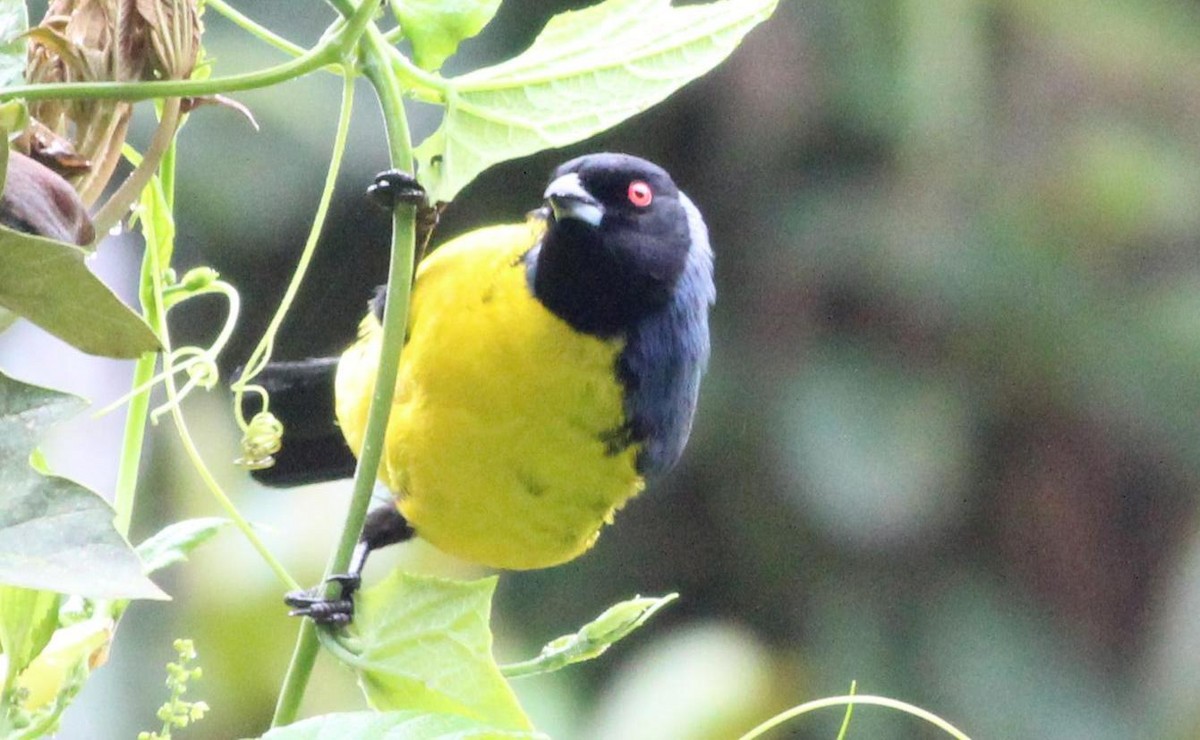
{"x":395,"y":726}
{"x":424,"y":644}
{"x":55,"y":534}
{"x":435,"y":28}
{"x":14,"y":21}
{"x":48,"y":283}
{"x":586,"y":72}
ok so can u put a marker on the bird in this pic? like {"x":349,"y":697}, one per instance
{"x":551,"y":368}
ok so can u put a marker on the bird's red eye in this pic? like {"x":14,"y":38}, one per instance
{"x":640,"y":193}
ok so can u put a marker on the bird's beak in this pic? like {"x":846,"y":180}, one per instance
{"x":567,"y":197}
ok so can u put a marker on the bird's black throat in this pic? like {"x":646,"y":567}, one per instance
{"x":600,"y":282}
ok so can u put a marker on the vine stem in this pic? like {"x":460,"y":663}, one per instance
{"x":118,"y":204}
{"x":378,"y":70}
{"x":214,"y":488}
{"x":134,"y":434}
{"x":262,"y":352}
{"x":138,"y":411}
{"x":265,"y":35}
{"x":185,"y":436}
{"x":333,"y":49}
{"x":855,"y":699}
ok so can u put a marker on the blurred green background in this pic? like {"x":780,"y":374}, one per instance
{"x":949,"y":444}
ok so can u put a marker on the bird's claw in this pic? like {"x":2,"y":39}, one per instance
{"x":393,"y":188}
{"x":335,"y":612}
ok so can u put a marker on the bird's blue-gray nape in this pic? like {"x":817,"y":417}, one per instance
{"x":665,"y":356}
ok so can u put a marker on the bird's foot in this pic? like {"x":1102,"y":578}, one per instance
{"x":393,"y":188}
{"x":335,"y":612}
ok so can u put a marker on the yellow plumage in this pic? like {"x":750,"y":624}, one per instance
{"x":495,"y":446}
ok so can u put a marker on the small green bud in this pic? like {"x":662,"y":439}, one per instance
{"x":263,"y":438}
{"x":198,"y":278}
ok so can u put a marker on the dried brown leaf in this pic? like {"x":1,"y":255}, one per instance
{"x":54,"y":151}
{"x":190,"y":104}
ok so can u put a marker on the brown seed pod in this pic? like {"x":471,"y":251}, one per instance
{"x":76,"y":42}
{"x":105,"y":40}
{"x":37,"y":201}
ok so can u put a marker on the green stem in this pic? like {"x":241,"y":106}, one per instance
{"x":849,"y":713}
{"x":154,"y":308}
{"x":214,"y":488}
{"x":262,"y":352}
{"x":333,"y":49}
{"x":138,"y":411}
{"x":160,"y":327}
{"x":426,"y":86}
{"x":118,"y":204}
{"x":382,"y":77}
{"x":334,"y":644}
{"x":261,"y":33}
{"x":326,"y":53}
{"x":166,"y":172}
{"x":534,"y":666}
{"x":837,"y":701}
{"x":395,"y":316}
{"x":133,"y":437}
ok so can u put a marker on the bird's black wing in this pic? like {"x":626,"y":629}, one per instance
{"x":665,"y":355}
{"x":301,"y":395}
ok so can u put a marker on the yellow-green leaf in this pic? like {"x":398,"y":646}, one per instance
{"x":396,"y":726}
{"x":592,"y":639}
{"x":424,"y":644}
{"x":586,"y":72}
{"x":28,"y":619}
{"x":435,"y":28}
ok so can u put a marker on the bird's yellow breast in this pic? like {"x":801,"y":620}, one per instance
{"x":496,"y":445}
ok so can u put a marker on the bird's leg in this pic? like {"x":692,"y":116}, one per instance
{"x":384,"y":526}
{"x":394,"y":188}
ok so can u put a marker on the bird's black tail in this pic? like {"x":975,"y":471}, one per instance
{"x":302,"y":399}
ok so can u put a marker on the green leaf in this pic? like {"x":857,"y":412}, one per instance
{"x":28,"y":619}
{"x":156,"y":216}
{"x":57,"y":675}
{"x":14,"y":21}
{"x":586,"y":72}
{"x":436,"y":27}
{"x":173,"y":543}
{"x":48,"y":283}
{"x":55,"y":534}
{"x":424,"y":644}
{"x":396,"y":726}
{"x":14,"y":117}
{"x":593,"y":638}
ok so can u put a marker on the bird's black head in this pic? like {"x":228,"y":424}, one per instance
{"x":616,"y":242}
